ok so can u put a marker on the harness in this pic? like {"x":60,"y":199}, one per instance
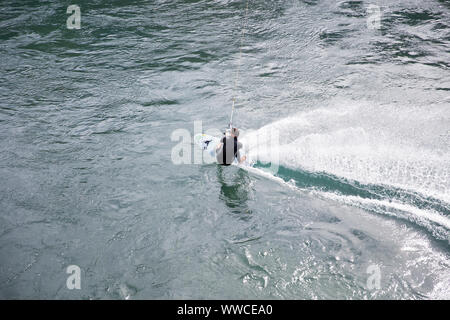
{"x":224,"y":149}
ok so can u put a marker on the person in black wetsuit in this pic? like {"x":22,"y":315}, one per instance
{"x":228,"y":149}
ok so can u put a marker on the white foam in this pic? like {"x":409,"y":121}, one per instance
{"x":402,"y":147}
{"x":386,"y":206}
{"x":429,"y":215}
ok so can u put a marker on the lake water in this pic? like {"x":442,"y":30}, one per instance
{"x":350,"y":201}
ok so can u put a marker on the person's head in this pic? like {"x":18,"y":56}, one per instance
{"x":235,"y":132}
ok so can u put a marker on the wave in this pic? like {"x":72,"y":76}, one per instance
{"x":385,"y":159}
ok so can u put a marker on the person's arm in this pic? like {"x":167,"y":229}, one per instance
{"x":238,"y":154}
{"x":219,"y":146}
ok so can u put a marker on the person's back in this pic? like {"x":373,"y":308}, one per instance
{"x":228,"y":149}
